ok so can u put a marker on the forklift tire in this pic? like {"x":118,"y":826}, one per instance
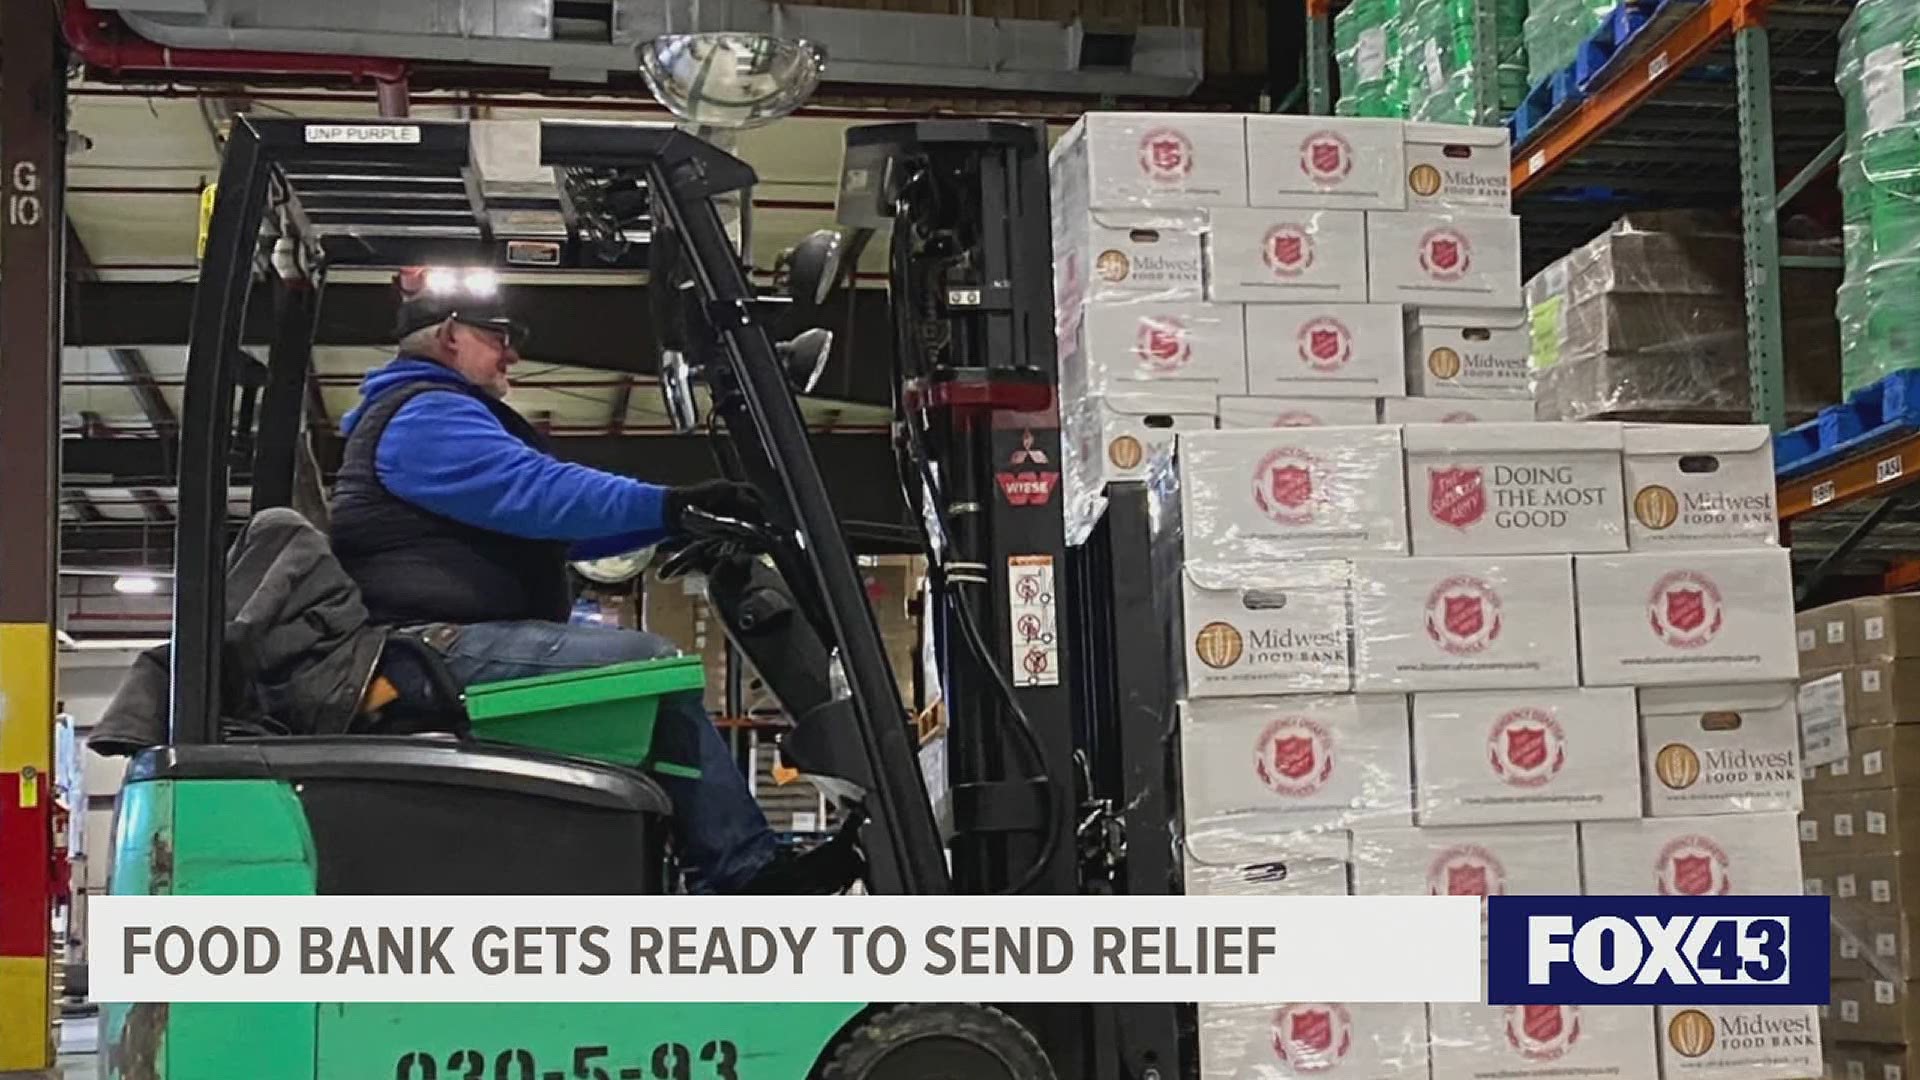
{"x":938,"y":1042}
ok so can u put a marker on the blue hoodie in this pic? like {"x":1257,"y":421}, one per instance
{"x":446,"y":453}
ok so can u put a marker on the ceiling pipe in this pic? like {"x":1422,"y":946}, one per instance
{"x":88,"y":33}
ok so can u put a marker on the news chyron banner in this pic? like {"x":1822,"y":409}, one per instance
{"x":1570,"y":950}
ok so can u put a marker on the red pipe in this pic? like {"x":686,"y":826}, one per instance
{"x":88,"y":34}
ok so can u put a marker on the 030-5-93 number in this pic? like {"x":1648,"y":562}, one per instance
{"x":669,"y":1061}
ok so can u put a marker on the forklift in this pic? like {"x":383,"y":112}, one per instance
{"x":1055,"y":661}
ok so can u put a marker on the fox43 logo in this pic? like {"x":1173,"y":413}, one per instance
{"x":1657,"y":950}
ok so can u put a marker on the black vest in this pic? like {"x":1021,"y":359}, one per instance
{"x":414,"y":566}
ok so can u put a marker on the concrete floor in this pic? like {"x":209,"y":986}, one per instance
{"x":79,"y":1041}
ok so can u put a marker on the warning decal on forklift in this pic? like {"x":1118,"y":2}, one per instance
{"x":363,"y":133}
{"x":1036,"y":644}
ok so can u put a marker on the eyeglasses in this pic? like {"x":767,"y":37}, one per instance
{"x":512,"y":336}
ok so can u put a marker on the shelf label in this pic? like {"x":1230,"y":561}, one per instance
{"x":1887,"y":469}
{"x":363,"y":133}
{"x":1658,"y":67}
{"x":1537,"y":162}
{"x":1822,"y":493}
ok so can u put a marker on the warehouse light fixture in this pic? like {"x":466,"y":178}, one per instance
{"x":136,"y":585}
{"x":730,"y":80}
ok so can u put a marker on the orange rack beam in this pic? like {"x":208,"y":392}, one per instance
{"x":1627,"y":90}
{"x":1880,"y":471}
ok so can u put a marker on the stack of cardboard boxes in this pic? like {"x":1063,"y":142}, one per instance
{"x":1860,"y":833}
{"x":1279,"y":271}
{"x":1498,"y":658}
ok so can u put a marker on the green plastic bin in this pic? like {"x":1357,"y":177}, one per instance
{"x":605,"y":713}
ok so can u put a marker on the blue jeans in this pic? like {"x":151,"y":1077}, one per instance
{"x":721,"y":834}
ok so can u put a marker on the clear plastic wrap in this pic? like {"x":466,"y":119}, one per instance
{"x":1266,"y":628}
{"x":1309,"y":1039}
{"x":1879,"y":76}
{"x":1292,"y":493}
{"x":1438,"y":61}
{"x":1516,"y":756}
{"x":1676,"y":618}
{"x":1554,"y":30}
{"x":1366,"y":47}
{"x":1648,"y":320}
{"x":1456,"y":259}
{"x":1468,"y":353}
{"x":1325,"y":350}
{"x":1414,"y":410}
{"x":1116,"y":437}
{"x":1467,"y":623}
{"x":1700,"y":486}
{"x":1453,"y":167}
{"x":1514,"y":489}
{"x":1242,"y":413}
{"x":1156,"y":161}
{"x":1117,"y":253}
{"x":1319,"y":163}
{"x":1727,"y":749}
{"x":1138,"y":346}
{"x":1277,"y":255}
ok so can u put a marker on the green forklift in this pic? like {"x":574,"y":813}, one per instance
{"x":1057,"y":772}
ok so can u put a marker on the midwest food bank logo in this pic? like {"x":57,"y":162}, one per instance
{"x":1656,"y":507}
{"x":1690,"y":1033}
{"x":1677,"y":766}
{"x":1219,"y":645}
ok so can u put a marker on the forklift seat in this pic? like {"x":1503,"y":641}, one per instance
{"x":436,"y":815}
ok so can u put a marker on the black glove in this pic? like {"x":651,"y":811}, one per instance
{"x":721,"y":498}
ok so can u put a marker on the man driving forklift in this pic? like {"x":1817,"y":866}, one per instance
{"x":457,"y":524}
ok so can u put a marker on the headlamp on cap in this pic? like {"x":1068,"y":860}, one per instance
{"x":431,"y":295}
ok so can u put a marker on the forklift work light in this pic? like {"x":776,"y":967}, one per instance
{"x":730,"y":80}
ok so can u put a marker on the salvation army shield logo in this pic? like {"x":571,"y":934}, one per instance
{"x":1463,"y":615}
{"x":1287,"y":250}
{"x":1685,"y":609}
{"x":1466,"y":870}
{"x":1326,"y":345}
{"x":1542,"y":1032}
{"x":1162,"y":344}
{"x":1166,"y":155}
{"x":1312,"y":1038}
{"x":1284,"y":483}
{"x":1293,"y":756}
{"x":1457,"y":496}
{"x":1693,"y":865}
{"x":1526,"y":747}
{"x":1326,"y":157}
{"x":1445,"y":254}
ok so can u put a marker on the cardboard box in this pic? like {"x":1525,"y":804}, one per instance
{"x":1325,"y":350}
{"x":1129,"y":159}
{"x":1669,"y":618}
{"x":1375,"y":1041}
{"x":1249,"y":496}
{"x":1700,"y":486}
{"x":1131,"y":346}
{"x":1415,"y":410}
{"x":1854,"y":823}
{"x":1883,"y":692}
{"x":1116,"y":437}
{"x":1727,"y":855}
{"x":1507,"y":1042}
{"x":1886,"y":626}
{"x":1321,"y":163}
{"x":1287,"y":256}
{"x":1514,"y":489}
{"x":1455,"y":260}
{"x":1871,"y":886}
{"x":1491,"y":860}
{"x":1870,"y":1061}
{"x":1241,"y":413}
{"x":1824,"y":636}
{"x":1872,"y":1010}
{"x":1266,"y":628}
{"x":1876,"y":757}
{"x":1871,"y":947}
{"x":1309,"y":864}
{"x":1107,"y":255}
{"x":1515,"y":756}
{"x":1267,"y":767}
{"x":1469,"y":353}
{"x":1720,"y":749}
{"x":1735,"y":1042}
{"x":1467,"y":623}
{"x":1456,"y":167}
